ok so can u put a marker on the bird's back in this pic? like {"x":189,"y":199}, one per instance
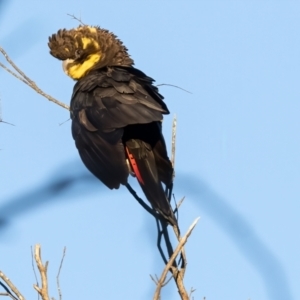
{"x":109,"y":107}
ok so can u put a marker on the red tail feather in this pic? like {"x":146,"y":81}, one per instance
{"x":134,"y":167}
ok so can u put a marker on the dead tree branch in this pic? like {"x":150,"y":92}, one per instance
{"x":173,"y":151}
{"x":77,"y":19}
{"x":19,"y":296}
{"x":178,"y":275}
{"x":8,"y":295}
{"x":33,"y":268}
{"x":25,"y":79}
{"x":43,"y":291}
{"x":57,"y":277}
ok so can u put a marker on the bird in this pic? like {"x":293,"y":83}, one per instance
{"x":116,"y":113}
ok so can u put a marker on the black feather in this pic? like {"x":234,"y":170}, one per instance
{"x":117,"y":107}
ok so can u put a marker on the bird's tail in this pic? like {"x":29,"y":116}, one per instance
{"x":143,"y":164}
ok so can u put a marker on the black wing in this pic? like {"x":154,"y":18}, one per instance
{"x":103,"y":104}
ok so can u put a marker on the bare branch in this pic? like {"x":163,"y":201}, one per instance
{"x":13,"y":73}
{"x":43,"y":291}
{"x":8,"y":295}
{"x":57,"y":277}
{"x":183,"y":256}
{"x":11,"y":286}
{"x":168,"y":266}
{"x":173,"y":151}
{"x":176,"y":274}
{"x":8,"y":292}
{"x":180,"y":202}
{"x":64,"y":122}
{"x":77,"y":19}
{"x":1,"y":121}
{"x":191,"y":292}
{"x":36,"y":279}
{"x":177,"y":205}
{"x":153,"y":279}
{"x":25,"y":79}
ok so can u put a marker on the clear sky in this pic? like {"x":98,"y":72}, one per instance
{"x":237,"y":158}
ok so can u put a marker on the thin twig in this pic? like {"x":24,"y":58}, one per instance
{"x":15,"y":67}
{"x":64,"y":122}
{"x":57,"y":277}
{"x":1,"y":121}
{"x":13,"y":73}
{"x":36,"y":279}
{"x":43,"y":291}
{"x":25,"y":79}
{"x":11,"y":286}
{"x":162,"y":279}
{"x":168,"y":280}
{"x":191,"y":292}
{"x":9,"y":295}
{"x":176,"y":274}
{"x":178,"y":204}
{"x":77,"y":19}
{"x":8,"y":292}
{"x":178,"y":87}
{"x":153,"y":279}
{"x":173,"y":155}
{"x":183,"y":256}
{"x":173,"y":151}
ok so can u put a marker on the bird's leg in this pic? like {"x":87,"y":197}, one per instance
{"x":159,"y":236}
{"x":141,"y":202}
{"x":161,"y":232}
{"x":162,"y":229}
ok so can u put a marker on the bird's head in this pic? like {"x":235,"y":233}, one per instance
{"x":86,"y":48}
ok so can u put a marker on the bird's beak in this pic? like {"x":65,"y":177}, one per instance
{"x":65,"y":64}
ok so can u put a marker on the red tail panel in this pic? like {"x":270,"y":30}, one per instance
{"x":134,"y":167}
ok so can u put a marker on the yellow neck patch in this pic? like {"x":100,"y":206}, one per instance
{"x":77,"y":71}
{"x":88,"y":41}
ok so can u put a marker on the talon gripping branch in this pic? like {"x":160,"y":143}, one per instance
{"x":116,"y":113}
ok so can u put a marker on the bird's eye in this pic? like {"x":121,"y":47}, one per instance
{"x":78,"y":53}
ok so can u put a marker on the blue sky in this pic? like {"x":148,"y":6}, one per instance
{"x":237,"y":159}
